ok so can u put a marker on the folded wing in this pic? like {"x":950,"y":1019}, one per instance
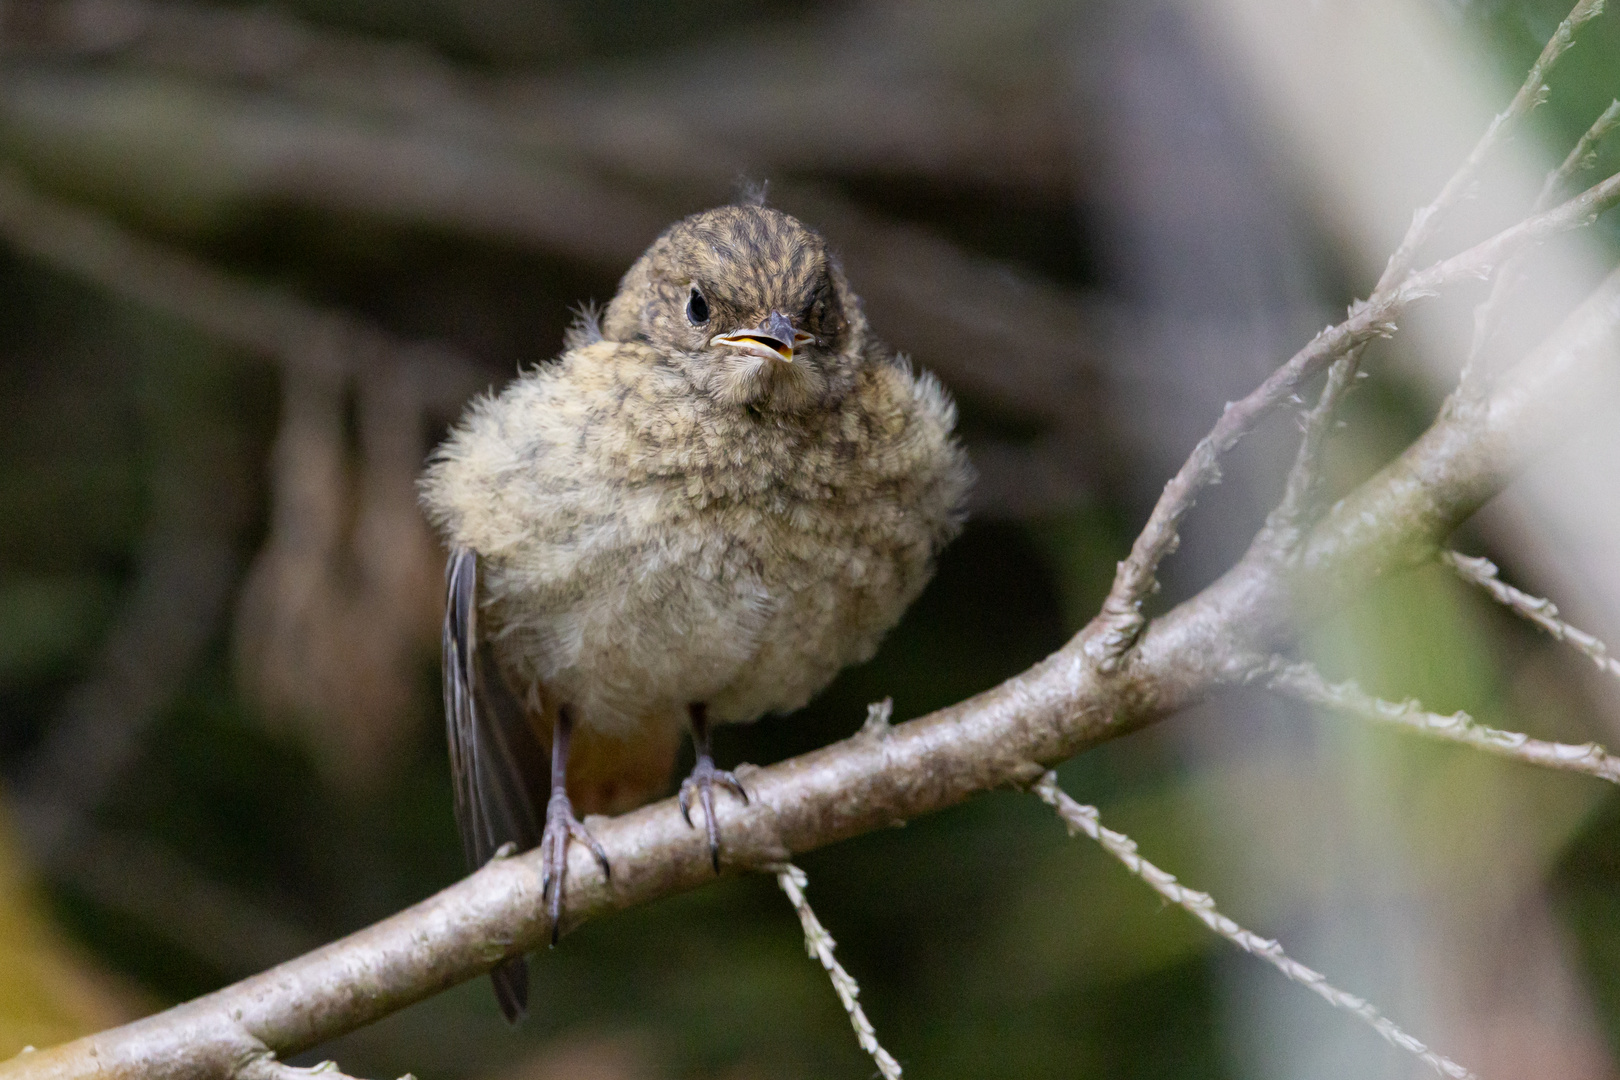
{"x":493,"y":753}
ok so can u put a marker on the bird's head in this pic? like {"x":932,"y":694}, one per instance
{"x":748,"y":302}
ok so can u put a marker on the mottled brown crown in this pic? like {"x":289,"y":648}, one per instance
{"x":737,"y":267}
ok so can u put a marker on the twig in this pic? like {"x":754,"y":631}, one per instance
{"x":1582,"y":157}
{"x":819,"y":944}
{"x":1483,"y":572}
{"x":1305,"y":683}
{"x":1531,"y":93}
{"x":1122,"y":619}
{"x":1284,"y":524}
{"x":1488,"y":315}
{"x":1085,"y":819}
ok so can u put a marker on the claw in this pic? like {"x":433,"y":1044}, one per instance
{"x":579,"y":832}
{"x":561,"y":827}
{"x":683,"y":799}
{"x":704,"y":778}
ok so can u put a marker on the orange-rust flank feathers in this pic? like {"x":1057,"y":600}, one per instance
{"x":699,"y":513}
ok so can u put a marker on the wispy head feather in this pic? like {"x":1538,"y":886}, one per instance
{"x":751,"y":192}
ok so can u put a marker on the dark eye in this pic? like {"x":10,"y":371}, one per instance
{"x":697,"y":308}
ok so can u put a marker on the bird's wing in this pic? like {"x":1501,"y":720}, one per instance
{"x":493,"y":752}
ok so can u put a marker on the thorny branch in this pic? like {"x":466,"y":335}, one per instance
{"x":820,"y":944}
{"x":1305,"y":475}
{"x":1085,"y":819}
{"x":1488,"y":316}
{"x":1542,"y":612}
{"x":1303,"y":682}
{"x":1122,"y":619}
{"x":1005,"y":736}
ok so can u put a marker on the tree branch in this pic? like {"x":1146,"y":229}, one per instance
{"x":267,"y":1067}
{"x":1285,"y":525}
{"x":1531,"y":93}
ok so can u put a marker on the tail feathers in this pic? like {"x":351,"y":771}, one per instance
{"x":511,"y":981}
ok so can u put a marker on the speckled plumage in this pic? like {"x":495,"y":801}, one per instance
{"x":652,"y":536}
{"x":703,"y":509}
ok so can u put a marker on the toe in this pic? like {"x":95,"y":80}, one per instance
{"x":729,"y":779}
{"x":713,"y":828}
{"x":583,"y":835}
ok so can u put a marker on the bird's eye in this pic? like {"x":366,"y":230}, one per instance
{"x":697,"y":308}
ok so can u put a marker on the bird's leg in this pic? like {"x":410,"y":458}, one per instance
{"x":562,"y":826}
{"x":704,"y":777}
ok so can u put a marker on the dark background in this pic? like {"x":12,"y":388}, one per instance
{"x":219,"y":726}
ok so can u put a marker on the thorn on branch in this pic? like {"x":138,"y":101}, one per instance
{"x":267,"y":1067}
{"x":878,"y":716}
{"x":1079,"y":818}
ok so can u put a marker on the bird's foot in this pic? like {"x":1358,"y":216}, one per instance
{"x":561,"y":827}
{"x":703,"y":780}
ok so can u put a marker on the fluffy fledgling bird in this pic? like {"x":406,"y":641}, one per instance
{"x":698,"y":514}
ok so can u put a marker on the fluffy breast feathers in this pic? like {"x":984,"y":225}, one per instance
{"x":645,"y":546}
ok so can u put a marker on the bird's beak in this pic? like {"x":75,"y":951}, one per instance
{"x":775,"y":339}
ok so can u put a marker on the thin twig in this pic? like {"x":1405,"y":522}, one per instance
{"x":1488,"y":315}
{"x":1483,"y":572}
{"x":1302,"y":681}
{"x":1532,"y":93}
{"x":1284,"y":526}
{"x":1085,"y":819}
{"x":1121,"y":620}
{"x":819,"y":944}
{"x":1582,"y":157}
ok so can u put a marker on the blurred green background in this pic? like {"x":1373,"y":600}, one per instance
{"x":219,"y":724}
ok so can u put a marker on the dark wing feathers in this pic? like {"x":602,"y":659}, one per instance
{"x":493,"y":752}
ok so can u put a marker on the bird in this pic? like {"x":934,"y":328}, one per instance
{"x":722,"y":492}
